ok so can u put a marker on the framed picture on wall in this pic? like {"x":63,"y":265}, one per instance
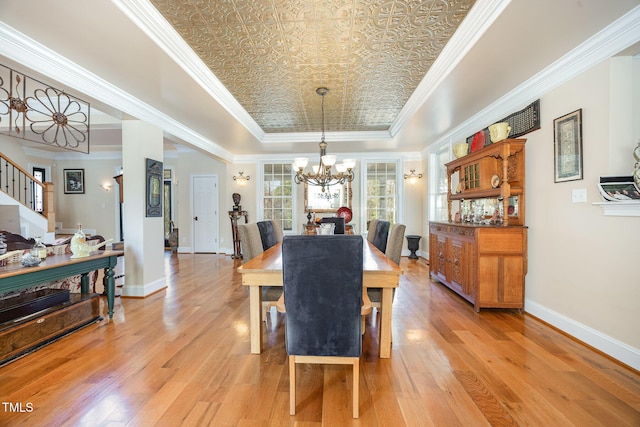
{"x":154,"y":188}
{"x":567,"y":145}
{"x":73,"y":181}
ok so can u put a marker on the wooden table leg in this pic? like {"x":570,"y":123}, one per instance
{"x":110,"y":287}
{"x":255,"y":322}
{"x":84,"y":283}
{"x":386,"y":305}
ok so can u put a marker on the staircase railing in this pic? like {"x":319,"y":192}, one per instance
{"x":20,"y":185}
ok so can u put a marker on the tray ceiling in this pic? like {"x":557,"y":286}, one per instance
{"x":272,"y":55}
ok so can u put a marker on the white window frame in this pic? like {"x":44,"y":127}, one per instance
{"x":363,"y":189}
{"x":261,"y":195}
{"x":437,"y":172}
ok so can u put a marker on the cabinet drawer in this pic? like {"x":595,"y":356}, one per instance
{"x":501,"y":241}
{"x":452,"y":231}
{"x":438,"y":228}
{"x":465,"y":232}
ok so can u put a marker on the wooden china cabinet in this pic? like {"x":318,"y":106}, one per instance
{"x":483,"y":256}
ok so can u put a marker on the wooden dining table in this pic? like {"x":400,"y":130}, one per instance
{"x":266,"y":270}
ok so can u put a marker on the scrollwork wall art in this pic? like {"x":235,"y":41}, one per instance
{"x":34,"y":111}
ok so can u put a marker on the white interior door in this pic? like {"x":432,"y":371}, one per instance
{"x":204,"y":190}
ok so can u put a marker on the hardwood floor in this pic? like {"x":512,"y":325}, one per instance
{"x":181,"y":357}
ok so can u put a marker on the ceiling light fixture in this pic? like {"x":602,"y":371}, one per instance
{"x":321,"y":175}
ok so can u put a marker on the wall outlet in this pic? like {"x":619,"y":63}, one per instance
{"x":579,"y":195}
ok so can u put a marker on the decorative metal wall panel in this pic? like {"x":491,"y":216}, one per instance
{"x":32,"y":110}
{"x":524,"y":121}
{"x":272,"y":55}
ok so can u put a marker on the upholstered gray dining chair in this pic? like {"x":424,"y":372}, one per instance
{"x":277,"y":229}
{"x":252,"y":246}
{"x":371,"y":229}
{"x":322,"y":277}
{"x":267,"y":233}
{"x":394,"y":253}
{"x":338,"y":221}
{"x":380,"y":235}
{"x":250,"y":241}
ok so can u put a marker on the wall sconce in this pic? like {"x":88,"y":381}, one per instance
{"x":106,"y":187}
{"x":412,"y":176}
{"x":241,"y":179}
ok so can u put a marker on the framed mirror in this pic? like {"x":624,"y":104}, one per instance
{"x":333,"y":197}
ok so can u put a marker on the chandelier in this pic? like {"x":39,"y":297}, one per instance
{"x":321,"y":175}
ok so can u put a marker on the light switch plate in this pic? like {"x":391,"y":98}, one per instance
{"x":579,"y":195}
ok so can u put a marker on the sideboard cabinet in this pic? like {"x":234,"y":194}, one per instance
{"x":481,"y":258}
{"x":484,"y":264}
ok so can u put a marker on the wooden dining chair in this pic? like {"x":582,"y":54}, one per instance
{"x":322,"y":277}
{"x":252,"y":246}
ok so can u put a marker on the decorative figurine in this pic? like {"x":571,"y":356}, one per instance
{"x":79,"y":246}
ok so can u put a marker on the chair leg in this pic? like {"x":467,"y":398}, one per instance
{"x":365,"y":309}
{"x":356,"y":388}
{"x":292,"y":385}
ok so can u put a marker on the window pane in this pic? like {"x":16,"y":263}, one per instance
{"x":278,"y":194}
{"x":38,"y":192}
{"x":438,"y":182}
{"x":381,"y":191}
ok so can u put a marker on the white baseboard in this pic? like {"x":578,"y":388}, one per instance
{"x":618,"y":350}
{"x":141,"y":291}
{"x":189,"y":250}
{"x":225,"y":251}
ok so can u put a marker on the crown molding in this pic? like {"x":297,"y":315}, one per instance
{"x":31,"y":54}
{"x":359,"y":156}
{"x":154,"y":25}
{"x":621,"y":34}
{"x":275,"y":138}
{"x":480,"y":18}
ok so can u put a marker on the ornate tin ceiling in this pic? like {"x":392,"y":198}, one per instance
{"x":271,"y":55}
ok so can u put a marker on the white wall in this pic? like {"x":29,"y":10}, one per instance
{"x":186,"y":164}
{"x":96,"y":208}
{"x":12,"y":148}
{"x":583,"y":274}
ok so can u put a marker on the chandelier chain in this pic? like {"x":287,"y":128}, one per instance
{"x":322,"y":175}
